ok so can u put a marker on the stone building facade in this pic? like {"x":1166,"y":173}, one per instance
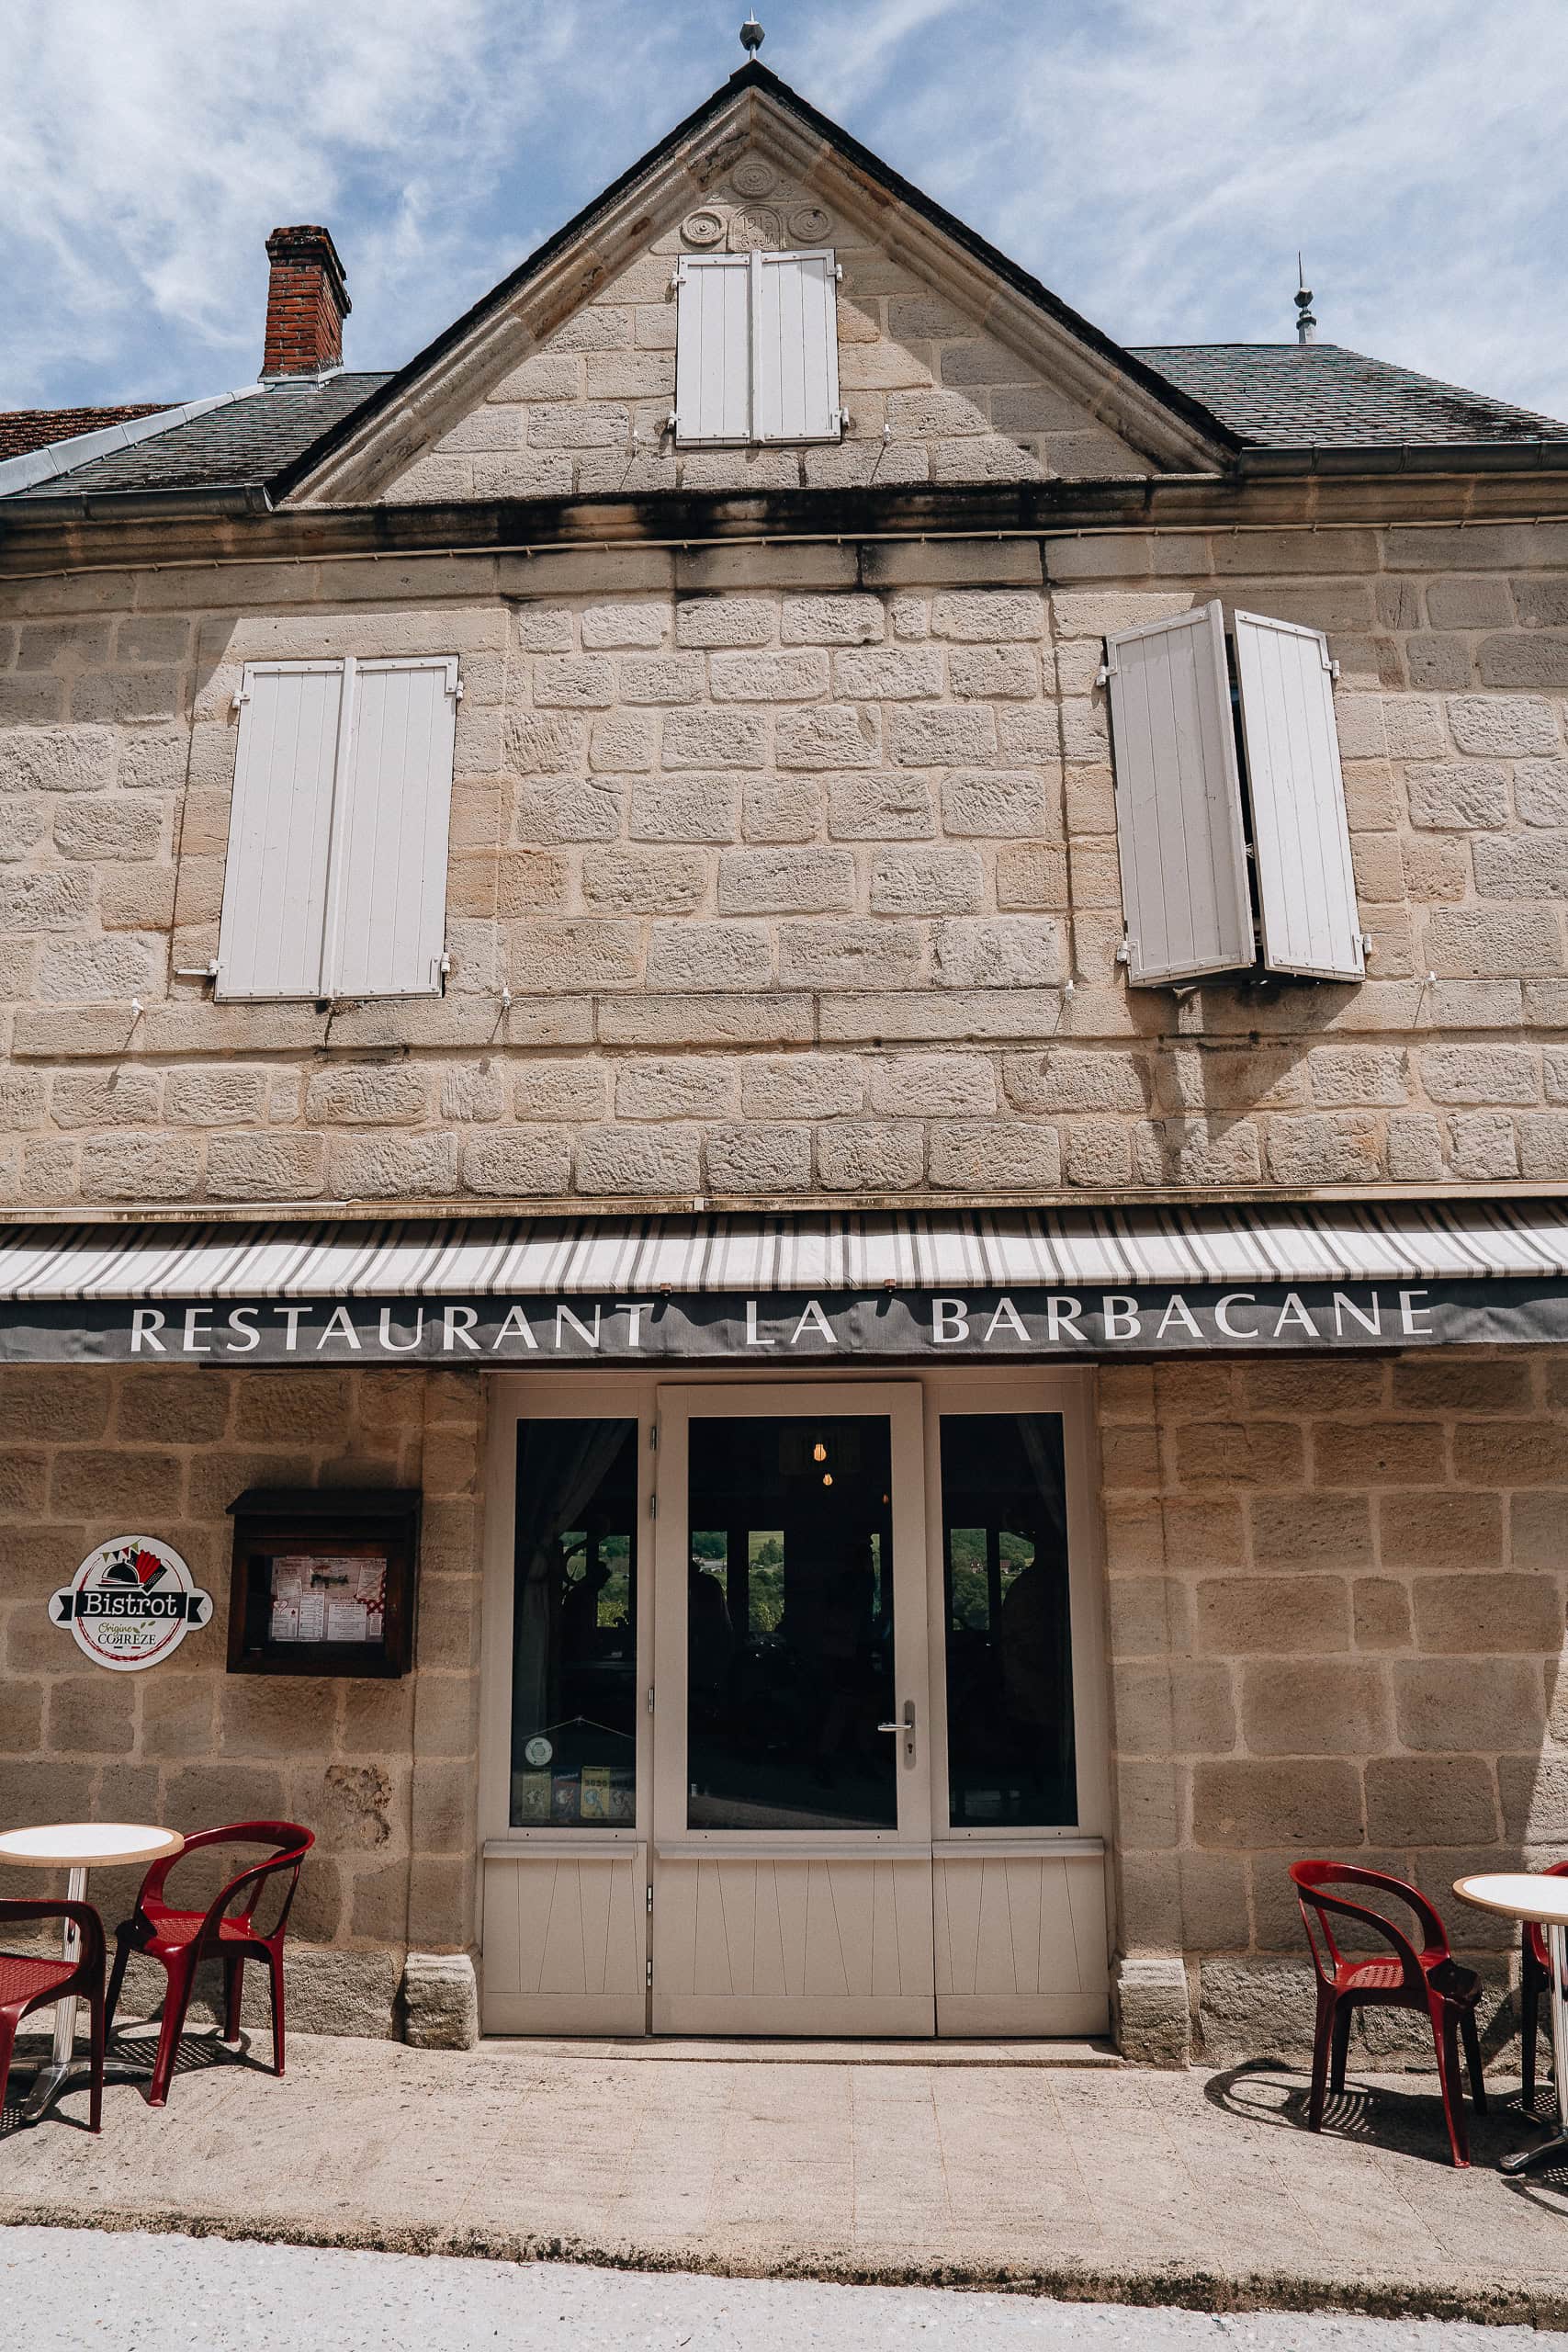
{"x":787,"y":877}
{"x":783,"y":881}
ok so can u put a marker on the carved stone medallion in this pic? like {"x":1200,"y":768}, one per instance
{"x":810,"y":225}
{"x":703,"y":228}
{"x":755,"y":229}
{"x":751,"y":176}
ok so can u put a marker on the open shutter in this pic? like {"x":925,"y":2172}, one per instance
{"x":795,"y":334}
{"x":270,"y":938}
{"x":1307,"y":893}
{"x":1179,"y":834}
{"x":713,"y":348}
{"x":389,"y":885}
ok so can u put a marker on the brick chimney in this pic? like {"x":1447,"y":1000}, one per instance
{"x":307,"y":302}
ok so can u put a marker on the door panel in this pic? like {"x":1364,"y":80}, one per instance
{"x":1021,"y":1942}
{"x":565,"y":1945}
{"x":780,"y":1945}
{"x":792,"y":1886}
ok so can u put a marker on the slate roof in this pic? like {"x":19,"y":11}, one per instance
{"x":248,"y":441}
{"x":1269,"y":395}
{"x":1292,"y":395}
{"x":22,"y":429}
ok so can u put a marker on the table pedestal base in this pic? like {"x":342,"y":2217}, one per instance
{"x":56,"y":2078}
{"x":1550,"y":2152}
{"x":58,"y":2075}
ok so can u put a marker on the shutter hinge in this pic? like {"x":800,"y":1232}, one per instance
{"x":650,"y":1698}
{"x":678,"y":277}
{"x":1366,"y":943}
{"x":650,"y":1901}
{"x":653,"y":1437}
{"x":457,"y":691}
{"x":1333,"y":669}
{"x":843,"y":420}
{"x":207,"y":971}
{"x":839,"y":272}
{"x":1124,"y":952}
{"x":673,"y":422}
{"x":653,"y":1506}
{"x":444,"y":966}
{"x":242,"y":694}
{"x":648,"y":1978}
{"x":1105,"y":672}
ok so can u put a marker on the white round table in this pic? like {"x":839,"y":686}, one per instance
{"x":78,"y":1846}
{"x":1529,"y":1895}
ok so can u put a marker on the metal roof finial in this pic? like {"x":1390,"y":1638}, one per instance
{"x":751,"y":34}
{"x":1307,"y":325}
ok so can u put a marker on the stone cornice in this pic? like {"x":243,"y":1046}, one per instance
{"x":131,"y":533}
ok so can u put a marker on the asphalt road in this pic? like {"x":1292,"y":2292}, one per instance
{"x":139,"y":2293}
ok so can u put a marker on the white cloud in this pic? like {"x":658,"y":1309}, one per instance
{"x":1156,"y":167}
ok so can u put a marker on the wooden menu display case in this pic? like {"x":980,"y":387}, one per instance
{"x":324,"y":1580}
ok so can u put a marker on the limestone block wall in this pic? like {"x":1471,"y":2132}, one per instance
{"x":1335,"y":1607}
{"x":383,"y":1772}
{"x":786,"y":856}
{"x":932,"y":395}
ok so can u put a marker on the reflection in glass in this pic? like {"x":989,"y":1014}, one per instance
{"x":789,"y":1625}
{"x":574,"y":1627}
{"x":1010,"y":1665}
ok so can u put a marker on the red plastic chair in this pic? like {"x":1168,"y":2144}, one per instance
{"x":181,"y":1941}
{"x":1428,"y":1978}
{"x":26,"y":1983}
{"x":1534,"y":1975}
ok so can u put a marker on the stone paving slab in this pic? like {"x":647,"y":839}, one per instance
{"x":1200,"y":2189}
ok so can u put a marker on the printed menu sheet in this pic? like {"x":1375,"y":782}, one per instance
{"x":318,"y":1598}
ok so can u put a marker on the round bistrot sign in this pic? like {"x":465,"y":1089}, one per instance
{"x":131,"y":1602}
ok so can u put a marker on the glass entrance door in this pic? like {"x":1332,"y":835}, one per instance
{"x":791,"y":1865}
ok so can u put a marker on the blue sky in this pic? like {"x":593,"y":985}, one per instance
{"x":1157,"y":165}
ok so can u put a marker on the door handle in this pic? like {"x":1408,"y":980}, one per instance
{"x":906,"y":1729}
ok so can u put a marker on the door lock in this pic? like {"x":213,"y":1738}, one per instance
{"x":906,"y":1729}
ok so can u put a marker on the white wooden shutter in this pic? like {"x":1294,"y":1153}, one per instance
{"x":335,"y":883}
{"x":756,"y":348}
{"x":795,"y":339}
{"x":391,"y":912}
{"x":713,"y":348}
{"x":270,"y":937}
{"x":1307,"y":893}
{"x":1179,"y":834}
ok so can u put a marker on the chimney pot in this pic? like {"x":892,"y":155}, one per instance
{"x":307,"y":302}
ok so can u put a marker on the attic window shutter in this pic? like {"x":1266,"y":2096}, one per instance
{"x":757,"y":348}
{"x":713,"y":348}
{"x":795,"y":341}
{"x":335,"y":882}
{"x":1179,"y":831}
{"x":1306,"y":892}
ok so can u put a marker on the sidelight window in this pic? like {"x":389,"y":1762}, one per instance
{"x":574,"y":1713}
{"x":1011,"y":1740}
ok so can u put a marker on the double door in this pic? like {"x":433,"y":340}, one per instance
{"x":793,"y":1711}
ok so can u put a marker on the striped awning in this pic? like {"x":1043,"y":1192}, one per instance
{"x":1163,"y":1247}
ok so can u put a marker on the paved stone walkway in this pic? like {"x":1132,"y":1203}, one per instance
{"x":253,"y":2298}
{"x":1200,"y":2189}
